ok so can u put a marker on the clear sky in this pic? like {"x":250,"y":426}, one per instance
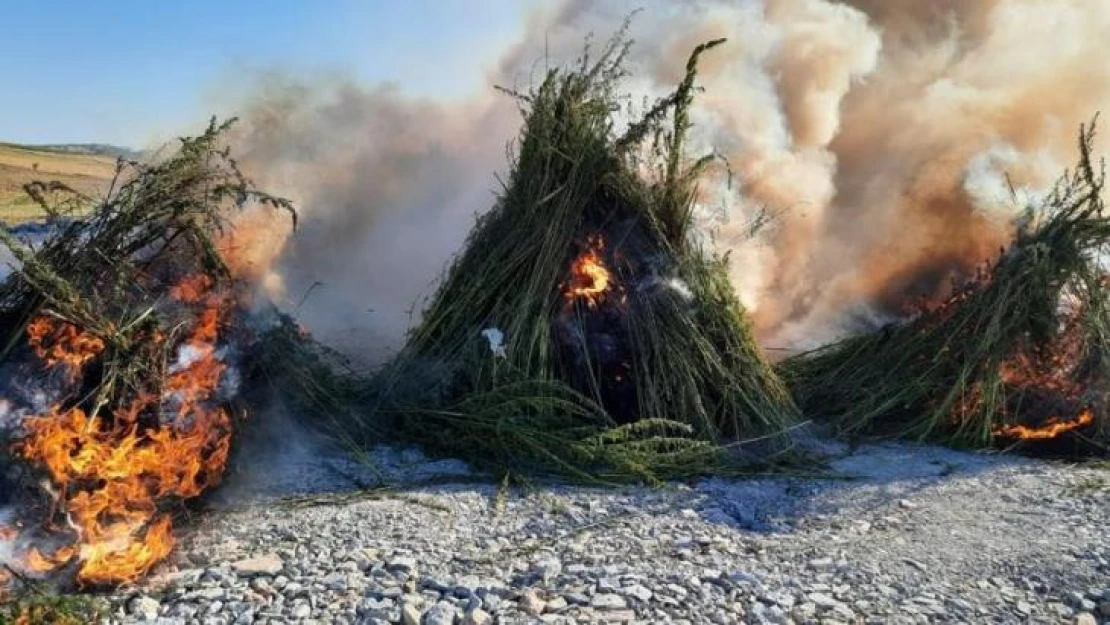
{"x":132,"y":71}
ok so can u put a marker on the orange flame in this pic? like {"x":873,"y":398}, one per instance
{"x":1049,"y":370}
{"x":35,"y":562}
{"x":191,"y":289}
{"x":590,"y":279}
{"x":1051,"y":429}
{"x":113,"y":474}
{"x":59,"y":342}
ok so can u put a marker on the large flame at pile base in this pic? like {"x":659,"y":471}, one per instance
{"x":117,"y":469}
{"x":125,"y":330}
{"x":1048,"y":379}
{"x":1053,"y":427}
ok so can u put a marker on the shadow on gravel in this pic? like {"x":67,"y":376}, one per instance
{"x":285,"y":460}
{"x":869,"y":477}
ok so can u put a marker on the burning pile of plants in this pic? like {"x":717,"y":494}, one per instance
{"x":125,"y":343}
{"x":584,"y":330}
{"x":1018,"y":356}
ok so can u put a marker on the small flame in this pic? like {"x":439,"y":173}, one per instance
{"x":590,"y":279}
{"x":58,"y":342}
{"x":192,"y":289}
{"x":35,"y":562}
{"x":1052,"y":428}
{"x":112,"y":473}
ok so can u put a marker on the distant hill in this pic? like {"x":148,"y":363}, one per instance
{"x":88,"y":149}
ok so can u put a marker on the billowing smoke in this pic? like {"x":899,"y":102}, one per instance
{"x":965,"y":95}
{"x":387,"y":187}
{"x":883,"y":136}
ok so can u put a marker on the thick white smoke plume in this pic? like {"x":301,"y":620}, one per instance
{"x":883,"y":135}
{"x":387,"y":187}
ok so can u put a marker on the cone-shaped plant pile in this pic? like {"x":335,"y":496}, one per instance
{"x":584,"y":330}
{"x":122,"y":334}
{"x":1020,"y":355}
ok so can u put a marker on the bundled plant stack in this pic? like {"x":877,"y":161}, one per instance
{"x":123,"y":334}
{"x":584,"y":330}
{"x":1017,"y":356}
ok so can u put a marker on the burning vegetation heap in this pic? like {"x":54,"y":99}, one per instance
{"x":123,"y":335}
{"x":1020,"y":355}
{"x":584,"y":330}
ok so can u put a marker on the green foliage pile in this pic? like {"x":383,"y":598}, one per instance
{"x":110,"y":276}
{"x":33,"y":606}
{"x":48,"y":609}
{"x":701,"y":381}
{"x":1027,"y":340}
{"x":106,"y":273}
{"x":109,"y":273}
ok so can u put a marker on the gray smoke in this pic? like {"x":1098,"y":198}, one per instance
{"x":387,"y":187}
{"x":883,"y":135}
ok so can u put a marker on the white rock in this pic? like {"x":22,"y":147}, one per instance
{"x":144,"y":607}
{"x":608,"y":584}
{"x":269,"y":564}
{"x":805,"y":611}
{"x":638,"y":592}
{"x":477,"y":616}
{"x":782,"y":599}
{"x":558,"y":604}
{"x":403,"y":564}
{"x":822,"y":601}
{"x":531,"y":603}
{"x":211,"y":594}
{"x":616,"y":616}
{"x":442,"y":613}
{"x":410,"y":614}
{"x":608,"y":601}
{"x":548,"y":569}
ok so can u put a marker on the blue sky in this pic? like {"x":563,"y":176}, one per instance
{"x":133,"y":71}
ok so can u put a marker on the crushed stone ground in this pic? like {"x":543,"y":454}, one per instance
{"x":913,"y":534}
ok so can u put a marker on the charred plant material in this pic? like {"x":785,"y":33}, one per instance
{"x":120,"y":333}
{"x":583,"y":330}
{"x":291,"y":371}
{"x":1017,"y":355}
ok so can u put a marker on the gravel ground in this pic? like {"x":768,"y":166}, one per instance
{"x":918,"y":535}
